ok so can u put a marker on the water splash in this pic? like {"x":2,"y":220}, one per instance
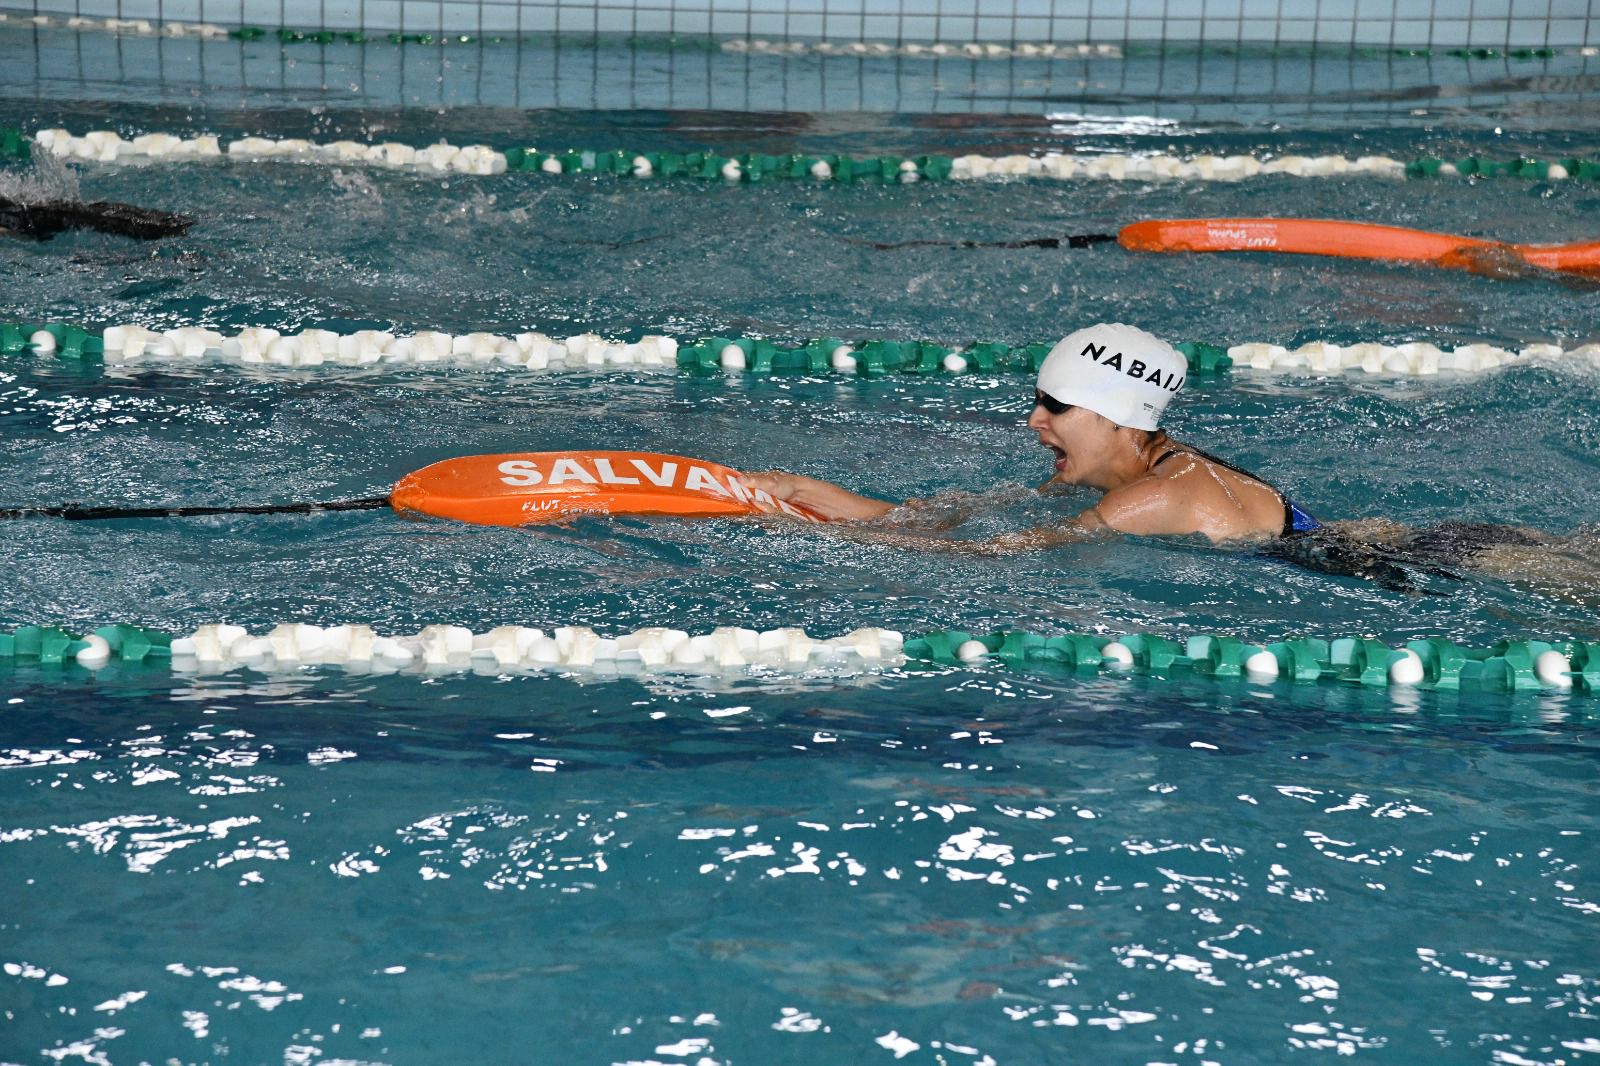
{"x":49,"y":179}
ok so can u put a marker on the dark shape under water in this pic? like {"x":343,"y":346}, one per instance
{"x":44,"y":219}
{"x":1414,"y":564}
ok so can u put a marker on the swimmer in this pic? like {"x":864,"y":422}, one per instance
{"x":41,"y":220}
{"x":1097,"y":408}
{"x":1098,"y":404}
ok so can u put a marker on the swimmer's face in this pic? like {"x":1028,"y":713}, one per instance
{"x":1085,"y":444}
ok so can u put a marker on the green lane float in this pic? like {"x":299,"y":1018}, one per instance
{"x":14,"y":145}
{"x":134,"y":345}
{"x":536,"y":351}
{"x":52,"y":646}
{"x":1507,"y":666}
{"x":107,"y":146}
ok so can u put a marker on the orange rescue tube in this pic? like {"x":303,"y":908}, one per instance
{"x":1355,"y":240}
{"x":528,"y":488}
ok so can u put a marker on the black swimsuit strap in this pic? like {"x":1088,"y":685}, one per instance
{"x":1208,"y":457}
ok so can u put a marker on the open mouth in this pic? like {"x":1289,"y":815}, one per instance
{"x":1060,"y":454}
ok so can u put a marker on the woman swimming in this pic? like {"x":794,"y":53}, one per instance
{"x":1097,"y":407}
{"x":1098,"y":403}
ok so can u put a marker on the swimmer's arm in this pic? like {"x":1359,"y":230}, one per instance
{"x":1019,"y":543}
{"x":833,"y":502}
{"x":1142,"y":510}
{"x":853,"y":515}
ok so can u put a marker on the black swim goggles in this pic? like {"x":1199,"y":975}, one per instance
{"x":1050,"y":403}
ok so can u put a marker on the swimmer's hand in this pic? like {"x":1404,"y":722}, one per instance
{"x":822,"y":498}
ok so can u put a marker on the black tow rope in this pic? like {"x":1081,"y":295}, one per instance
{"x":73,"y":512}
{"x":1071,"y":240}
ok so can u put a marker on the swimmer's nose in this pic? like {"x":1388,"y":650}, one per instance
{"x":1038,"y":418}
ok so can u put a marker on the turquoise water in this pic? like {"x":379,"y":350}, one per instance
{"x":1029,"y":868}
{"x":1013,"y":864}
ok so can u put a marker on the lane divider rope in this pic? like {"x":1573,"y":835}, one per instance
{"x":132,"y":345}
{"x":107,"y":146}
{"x":761,"y":46}
{"x":1133,"y":49}
{"x":1432,"y":663}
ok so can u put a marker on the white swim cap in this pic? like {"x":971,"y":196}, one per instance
{"x":1117,"y":371}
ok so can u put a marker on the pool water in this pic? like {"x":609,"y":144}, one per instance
{"x":983,"y":865}
{"x":915,"y":864}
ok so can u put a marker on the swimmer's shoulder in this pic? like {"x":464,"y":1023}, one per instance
{"x":1153,"y":506}
{"x":1187,"y":491}
{"x":1203,"y":472}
